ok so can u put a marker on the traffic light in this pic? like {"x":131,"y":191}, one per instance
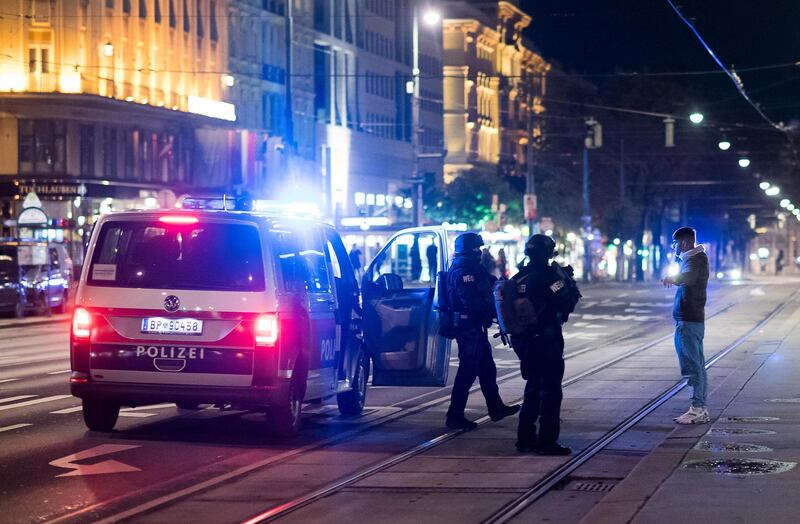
{"x":594,"y":134}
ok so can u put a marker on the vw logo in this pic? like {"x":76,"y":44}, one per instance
{"x":172,"y":303}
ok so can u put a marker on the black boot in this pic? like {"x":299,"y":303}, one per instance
{"x":460,"y":423}
{"x":553,"y":449}
{"x":503,"y":412}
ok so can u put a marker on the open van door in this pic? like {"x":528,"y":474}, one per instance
{"x":401,"y":317}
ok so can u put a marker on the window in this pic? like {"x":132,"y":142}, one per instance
{"x":411,"y":258}
{"x":41,"y":146}
{"x":219,"y":257}
{"x":212,"y":15}
{"x":110,"y":4}
{"x":157,"y":11}
{"x":55,"y":264}
{"x":142,"y":8}
{"x":173,"y":19}
{"x":87,"y":150}
{"x":110,"y":152}
{"x":186,"y":25}
{"x":38,"y":60}
{"x":302,"y":259}
{"x":200,"y":31}
{"x":126,"y":6}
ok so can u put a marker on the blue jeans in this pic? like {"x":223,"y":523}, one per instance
{"x":689,"y":346}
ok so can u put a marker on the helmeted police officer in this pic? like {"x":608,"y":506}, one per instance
{"x":470,"y":296}
{"x":541,"y":352}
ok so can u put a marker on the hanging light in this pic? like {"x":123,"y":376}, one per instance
{"x":696,"y":117}
{"x":764,"y":185}
{"x":724,"y":144}
{"x":744,"y":162}
{"x":108,"y":48}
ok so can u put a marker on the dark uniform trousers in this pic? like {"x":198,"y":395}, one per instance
{"x":474,"y":361}
{"x":542,"y":357}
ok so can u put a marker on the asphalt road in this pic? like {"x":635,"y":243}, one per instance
{"x":52,"y":467}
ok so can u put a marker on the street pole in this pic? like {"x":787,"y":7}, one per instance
{"x":622,"y":169}
{"x":415,"y":109}
{"x":587,"y":219}
{"x":530,"y":182}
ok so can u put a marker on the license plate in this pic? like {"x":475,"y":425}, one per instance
{"x":172,"y":326}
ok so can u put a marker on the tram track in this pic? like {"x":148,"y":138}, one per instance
{"x":281,"y":458}
{"x":552,"y":479}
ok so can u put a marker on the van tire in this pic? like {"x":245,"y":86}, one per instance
{"x":284,"y":418}
{"x":99,"y":415}
{"x":351,"y":403}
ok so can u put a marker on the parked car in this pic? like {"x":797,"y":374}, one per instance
{"x":34,"y":277}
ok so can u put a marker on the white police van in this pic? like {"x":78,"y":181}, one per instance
{"x":249,"y":310}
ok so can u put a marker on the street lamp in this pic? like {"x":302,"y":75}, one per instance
{"x":744,"y":162}
{"x":108,"y":49}
{"x":785,"y":202}
{"x":724,"y":144}
{"x":773,"y":191}
{"x":764,"y":185}
{"x":696,"y":117}
{"x":430,"y":18}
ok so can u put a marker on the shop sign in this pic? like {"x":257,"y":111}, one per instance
{"x":50,"y":189}
{"x":530,"y":206}
{"x":33,"y":216}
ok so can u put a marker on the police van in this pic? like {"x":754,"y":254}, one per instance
{"x":249,"y":310}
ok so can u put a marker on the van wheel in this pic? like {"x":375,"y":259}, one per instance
{"x":284,"y":418}
{"x":99,"y":415}
{"x":188,"y":405}
{"x":351,"y":403}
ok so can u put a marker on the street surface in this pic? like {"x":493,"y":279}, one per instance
{"x":163,"y":464}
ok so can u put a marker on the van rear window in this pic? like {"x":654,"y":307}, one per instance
{"x":201,"y":256}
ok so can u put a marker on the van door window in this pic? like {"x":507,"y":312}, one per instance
{"x":55,"y":265}
{"x":408,"y":262}
{"x":302,"y":259}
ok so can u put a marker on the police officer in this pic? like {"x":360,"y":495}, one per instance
{"x":541,"y":352}
{"x":470,"y":295}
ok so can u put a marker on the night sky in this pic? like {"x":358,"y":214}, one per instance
{"x":596,"y":36}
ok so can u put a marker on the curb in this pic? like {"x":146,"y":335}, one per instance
{"x":42,"y":322}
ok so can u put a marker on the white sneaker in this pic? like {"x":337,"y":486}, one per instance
{"x":694,"y":416}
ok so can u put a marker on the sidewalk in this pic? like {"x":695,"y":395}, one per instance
{"x":742,"y":468}
{"x":38,"y":320}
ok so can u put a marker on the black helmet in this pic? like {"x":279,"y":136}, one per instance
{"x":540,"y":246}
{"x":468,"y":243}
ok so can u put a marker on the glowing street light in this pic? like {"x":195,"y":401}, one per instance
{"x":773,"y":191}
{"x":108,"y":49}
{"x":724,"y":145}
{"x":796,"y":211}
{"x":764,"y":185}
{"x":696,"y":117}
{"x":790,"y":207}
{"x":785,"y":202}
{"x":431,"y":17}
{"x":228,"y":80}
{"x":744,"y":162}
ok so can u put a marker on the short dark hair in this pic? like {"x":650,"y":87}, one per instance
{"x":685,"y":233}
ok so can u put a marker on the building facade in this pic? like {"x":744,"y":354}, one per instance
{"x":494,"y":83}
{"x":112,"y":104}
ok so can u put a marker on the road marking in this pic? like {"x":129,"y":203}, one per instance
{"x":623,"y":295}
{"x":136,"y":414}
{"x":99,"y":468}
{"x":12,"y":399}
{"x":8,"y":380}
{"x":35,"y":401}
{"x":59,"y":372}
{"x":151,"y":406}
{"x":757,"y":292}
{"x":15,"y":426}
{"x":67,"y":410}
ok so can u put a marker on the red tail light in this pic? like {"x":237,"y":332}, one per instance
{"x":267,"y":329}
{"x":81,"y":323}
{"x":178,"y":220}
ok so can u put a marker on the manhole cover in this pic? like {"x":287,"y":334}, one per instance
{"x":784,"y":400}
{"x":595,"y":486}
{"x":731,"y":446}
{"x":740,"y":431}
{"x":751,"y":419}
{"x":736,"y":466}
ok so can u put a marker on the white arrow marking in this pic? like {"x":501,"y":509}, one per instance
{"x":8,"y":380}
{"x":15,"y":426}
{"x":100,"y":468}
{"x":12,"y":399}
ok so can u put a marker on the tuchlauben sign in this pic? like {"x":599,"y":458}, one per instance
{"x":63,"y":190}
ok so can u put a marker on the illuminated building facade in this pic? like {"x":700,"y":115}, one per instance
{"x":493,"y":88}
{"x":112,"y":104}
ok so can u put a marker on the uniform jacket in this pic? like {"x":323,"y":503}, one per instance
{"x":539,"y":284}
{"x":690,"y":297}
{"x":470,"y":289}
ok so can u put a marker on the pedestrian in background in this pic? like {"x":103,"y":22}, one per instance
{"x":355,"y":259}
{"x":487,"y":261}
{"x":541,"y":350}
{"x":502,"y":263}
{"x":469,"y":288}
{"x":431,"y":253}
{"x":689,"y":314}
